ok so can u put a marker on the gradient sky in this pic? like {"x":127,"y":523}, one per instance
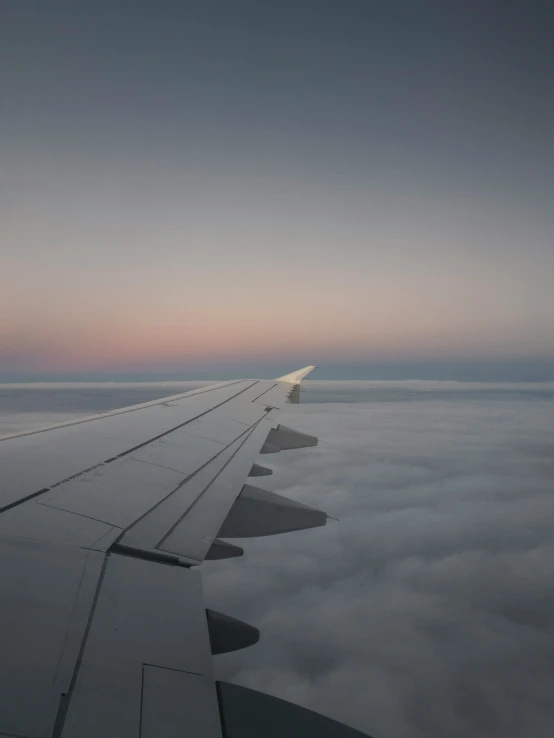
{"x":192,"y":185}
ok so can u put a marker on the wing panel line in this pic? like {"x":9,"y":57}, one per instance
{"x":65,"y":699}
{"x":265,"y":392}
{"x":124,"y":453}
{"x":246,"y":435}
{"x":181,"y":425}
{"x":123,"y":410}
{"x":187,"y":479}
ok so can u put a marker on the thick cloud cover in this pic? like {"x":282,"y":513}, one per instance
{"x":428,"y":609}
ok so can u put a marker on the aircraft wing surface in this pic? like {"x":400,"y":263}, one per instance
{"x":103,"y":630}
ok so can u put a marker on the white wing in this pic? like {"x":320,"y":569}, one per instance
{"x":103,"y":631}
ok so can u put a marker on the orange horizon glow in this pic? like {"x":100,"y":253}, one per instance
{"x":164,"y":288}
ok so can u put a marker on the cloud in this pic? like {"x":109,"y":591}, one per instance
{"x":429,"y":608}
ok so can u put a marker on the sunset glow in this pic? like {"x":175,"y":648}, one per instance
{"x":158,"y":222}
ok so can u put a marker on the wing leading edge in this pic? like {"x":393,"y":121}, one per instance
{"x":103,"y":629}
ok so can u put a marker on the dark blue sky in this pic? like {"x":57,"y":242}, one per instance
{"x":462,"y":88}
{"x":386,"y":167}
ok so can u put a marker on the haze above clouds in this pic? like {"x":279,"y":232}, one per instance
{"x":428,"y":609}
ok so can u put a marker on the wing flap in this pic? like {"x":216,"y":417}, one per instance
{"x":146,"y":614}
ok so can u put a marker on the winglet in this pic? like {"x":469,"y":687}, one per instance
{"x":297,"y":376}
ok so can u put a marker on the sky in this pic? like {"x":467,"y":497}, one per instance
{"x":191,"y":188}
{"x":427,"y":608}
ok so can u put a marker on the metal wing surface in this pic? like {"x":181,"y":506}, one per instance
{"x":103,"y":630}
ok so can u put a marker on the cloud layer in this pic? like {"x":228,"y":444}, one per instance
{"x":428,"y":610}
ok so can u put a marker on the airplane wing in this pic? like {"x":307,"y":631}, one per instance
{"x":103,"y":630}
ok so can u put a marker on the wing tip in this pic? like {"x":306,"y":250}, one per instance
{"x":297,"y":376}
